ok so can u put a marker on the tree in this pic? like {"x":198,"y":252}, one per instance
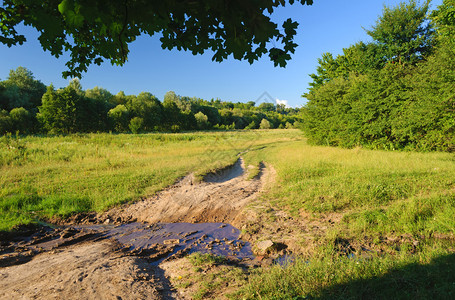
{"x":171,"y":113}
{"x":202,"y":120}
{"x":404,"y":33}
{"x":21,"y":120}
{"x":5,"y":122}
{"x":267,"y":107}
{"x":93,"y":31}
{"x":265,"y":124}
{"x":171,"y":96}
{"x":61,"y":110}
{"x":76,"y":85}
{"x":147,"y":107}
{"x":99,"y":94}
{"x":120,"y":98}
{"x":252,"y":125}
{"x":119,"y":117}
{"x":21,"y":89}
{"x":136,"y":125}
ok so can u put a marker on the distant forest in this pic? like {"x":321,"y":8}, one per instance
{"x":27,"y":106}
{"x":395,"y":92}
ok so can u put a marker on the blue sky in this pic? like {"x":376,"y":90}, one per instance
{"x":326,"y":26}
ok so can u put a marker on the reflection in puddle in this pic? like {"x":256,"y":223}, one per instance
{"x":171,"y":238}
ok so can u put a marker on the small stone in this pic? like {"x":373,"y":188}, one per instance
{"x":107,"y":221}
{"x":264,"y":247}
{"x":171,"y":241}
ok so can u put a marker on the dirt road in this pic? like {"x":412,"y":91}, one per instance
{"x":76,"y":263}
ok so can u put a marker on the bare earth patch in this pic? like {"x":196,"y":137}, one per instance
{"x":75,"y":264}
{"x":218,"y":198}
{"x":92,"y":270}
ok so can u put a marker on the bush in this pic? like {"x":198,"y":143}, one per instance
{"x":136,"y":125}
{"x":265,"y":124}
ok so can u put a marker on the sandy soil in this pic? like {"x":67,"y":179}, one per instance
{"x":218,"y":198}
{"x":92,"y":270}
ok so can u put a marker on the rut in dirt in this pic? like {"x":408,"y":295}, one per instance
{"x":219,"y":198}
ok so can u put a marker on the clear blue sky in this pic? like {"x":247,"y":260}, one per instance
{"x":326,"y":26}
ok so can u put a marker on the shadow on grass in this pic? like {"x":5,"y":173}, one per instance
{"x":435,"y":280}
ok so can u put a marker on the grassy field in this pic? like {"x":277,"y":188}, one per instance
{"x":393,"y":237}
{"x":47,"y":176}
{"x":393,"y":230}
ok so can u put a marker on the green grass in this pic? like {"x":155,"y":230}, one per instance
{"x":41,"y":177}
{"x":430,"y":276}
{"x":400,"y":205}
{"x":375,"y":191}
{"x":211,"y":275}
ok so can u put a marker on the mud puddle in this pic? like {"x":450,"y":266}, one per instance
{"x":157,"y":242}
{"x":164,"y":241}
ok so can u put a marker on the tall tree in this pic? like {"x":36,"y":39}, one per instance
{"x":403,"y":32}
{"x":61,"y":110}
{"x":21,"y":89}
{"x":147,"y":107}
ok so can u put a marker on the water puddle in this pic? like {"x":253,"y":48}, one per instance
{"x":156,"y":242}
{"x":163,"y":240}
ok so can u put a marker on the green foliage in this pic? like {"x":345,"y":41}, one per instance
{"x":5,"y":122}
{"x":20,"y":89}
{"x":202,"y":120}
{"x":394,"y":103}
{"x":136,"y":125}
{"x":94,"y":31}
{"x":21,"y":120}
{"x":147,"y":107}
{"x":403,"y":33}
{"x":265,"y":124}
{"x":444,"y":17}
{"x":266,"y":107}
{"x":60,"y":109}
{"x":252,"y":125}
{"x":119,"y":117}
{"x":73,"y":109}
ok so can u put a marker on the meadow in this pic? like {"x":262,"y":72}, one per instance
{"x":391,"y":230}
{"x":42,"y":177}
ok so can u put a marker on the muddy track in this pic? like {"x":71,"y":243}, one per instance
{"x":81,"y":264}
{"x":220,"y":197}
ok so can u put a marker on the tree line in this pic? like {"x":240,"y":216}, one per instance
{"x":395,"y":92}
{"x":27,"y":106}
